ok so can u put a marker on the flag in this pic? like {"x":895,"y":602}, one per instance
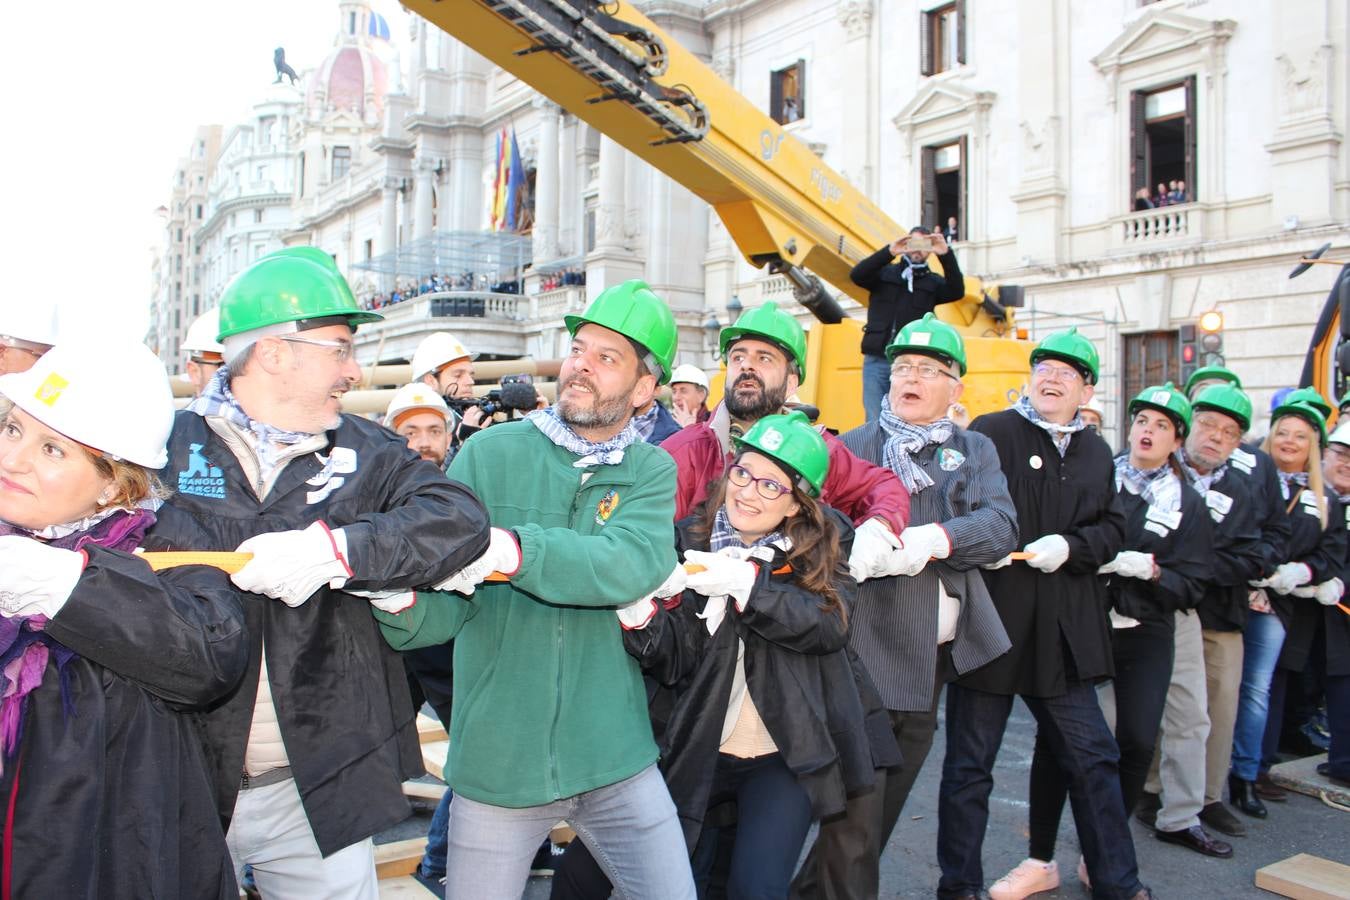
{"x":515,"y":186}
{"x":498,"y":210}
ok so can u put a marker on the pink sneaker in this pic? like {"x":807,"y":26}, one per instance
{"x":1030,"y":877}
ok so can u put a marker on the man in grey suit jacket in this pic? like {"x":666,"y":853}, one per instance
{"x":917,"y":630}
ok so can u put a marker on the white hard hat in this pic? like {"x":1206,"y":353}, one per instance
{"x":689,"y":375}
{"x":201,"y":334}
{"x":414,"y":396}
{"x":35,"y":323}
{"x":436,"y":350}
{"x":113,"y":396}
{"x":1341,"y":434}
{"x":1096,"y":406}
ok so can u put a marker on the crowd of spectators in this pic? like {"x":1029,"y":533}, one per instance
{"x":411,"y":288}
{"x":1173,"y":193}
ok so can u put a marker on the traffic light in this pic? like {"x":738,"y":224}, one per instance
{"x":1211,"y":338}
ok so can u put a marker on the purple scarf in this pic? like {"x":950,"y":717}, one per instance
{"x":25,"y":646}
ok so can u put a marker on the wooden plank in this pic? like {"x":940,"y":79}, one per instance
{"x":405,"y":886}
{"x":1306,"y":877}
{"x":433,"y":757}
{"x":562,"y":834}
{"x":424,"y":791}
{"x":399,"y":857}
{"x":429,"y":731}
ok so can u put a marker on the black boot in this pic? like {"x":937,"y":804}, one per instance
{"x":1244,"y":798}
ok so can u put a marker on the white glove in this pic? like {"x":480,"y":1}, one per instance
{"x":637,"y":615}
{"x":502,"y":555}
{"x":874,"y":551}
{"x":722,"y":575}
{"x":1329,"y":592}
{"x":1119,"y":621}
{"x":392,"y":602}
{"x":36,"y":579}
{"x":291,"y":565}
{"x":1048,"y":553}
{"x":674,"y":583}
{"x":1288,"y":576}
{"x":1130,"y":564}
{"x":921,"y":543}
{"x":1005,"y":561}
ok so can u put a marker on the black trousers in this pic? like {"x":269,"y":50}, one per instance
{"x":845,"y":860}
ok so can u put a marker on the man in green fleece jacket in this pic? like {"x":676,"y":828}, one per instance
{"x":550,"y":715}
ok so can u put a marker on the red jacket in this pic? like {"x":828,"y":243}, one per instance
{"x":853,"y":486}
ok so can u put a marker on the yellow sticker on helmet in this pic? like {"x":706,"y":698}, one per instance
{"x":50,"y":390}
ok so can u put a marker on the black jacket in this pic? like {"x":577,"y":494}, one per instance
{"x":1182,"y":546}
{"x":1248,"y":543}
{"x":1045,"y":615}
{"x":813,"y":694}
{"x":892,"y":305}
{"x":113,"y":797}
{"x":340,"y":691}
{"x":1274,"y":524}
{"x":1323,"y":551}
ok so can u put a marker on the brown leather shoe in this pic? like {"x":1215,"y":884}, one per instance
{"x":1197,"y":839}
{"x":1266,"y":789}
{"x":1218,"y":817}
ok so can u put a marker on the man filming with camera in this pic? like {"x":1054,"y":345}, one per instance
{"x":900,"y":293}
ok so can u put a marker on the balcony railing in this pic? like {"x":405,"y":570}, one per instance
{"x":1167,"y":223}
{"x":558,"y":302}
{"x":458,"y":304}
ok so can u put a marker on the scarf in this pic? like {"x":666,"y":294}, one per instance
{"x":1292,"y":482}
{"x":723,"y":536}
{"x":26,"y":648}
{"x":903,"y":440}
{"x":1059,"y":434}
{"x":1202,"y":483}
{"x":605,"y":453}
{"x":1159,"y":487}
{"x":646,"y":423}
{"x":217,"y":400}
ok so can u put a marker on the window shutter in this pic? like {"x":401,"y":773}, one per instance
{"x":961,"y":38}
{"x":962,"y":223}
{"x":801,"y":89}
{"x":1190,"y":139}
{"x":928,"y":207}
{"x":925,"y":43}
{"x":776,"y":96}
{"x":1139,"y":176}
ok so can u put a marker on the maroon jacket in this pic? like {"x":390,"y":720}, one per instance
{"x":853,"y":486}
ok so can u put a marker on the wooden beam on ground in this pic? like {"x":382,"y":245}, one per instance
{"x":433,"y":757}
{"x":399,"y":857}
{"x":429,"y":731}
{"x":424,"y":791}
{"x":1306,"y":877}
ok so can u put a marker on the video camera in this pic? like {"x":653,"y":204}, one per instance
{"x":514,"y":393}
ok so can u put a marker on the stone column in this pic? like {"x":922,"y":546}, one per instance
{"x":856,"y":18}
{"x":388,"y":226}
{"x":611,"y":262}
{"x":546,"y":184}
{"x":569,"y":200}
{"x":422,"y":202}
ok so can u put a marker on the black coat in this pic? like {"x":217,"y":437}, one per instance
{"x":892,"y":305}
{"x":1248,"y":541}
{"x":1335,"y":619}
{"x":340,"y":691}
{"x":1275,"y":527}
{"x":813,"y":694}
{"x":1323,"y":551}
{"x":1183,"y":553}
{"x":1046,"y":614}
{"x":113,"y":797}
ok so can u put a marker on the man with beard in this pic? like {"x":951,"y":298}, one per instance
{"x":550,"y":713}
{"x":1062,"y":481}
{"x":308,"y":753}
{"x":765,"y":352}
{"x":419,"y":415}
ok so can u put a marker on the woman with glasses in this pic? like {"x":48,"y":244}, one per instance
{"x":766,"y":707}
{"x":1162,"y":568}
{"x":103,"y":784}
{"x":1285,"y":607}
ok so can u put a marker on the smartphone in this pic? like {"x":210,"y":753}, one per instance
{"x":919,"y":243}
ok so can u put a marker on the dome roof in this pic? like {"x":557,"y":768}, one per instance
{"x":350,"y":79}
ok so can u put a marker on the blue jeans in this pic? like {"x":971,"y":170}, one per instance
{"x":438,"y":835}
{"x":876,"y":378}
{"x":1075,"y":733}
{"x":1261,"y":642}
{"x":630,"y":827}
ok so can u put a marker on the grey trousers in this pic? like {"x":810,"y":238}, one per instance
{"x":1178,"y":771}
{"x":1223,"y":681}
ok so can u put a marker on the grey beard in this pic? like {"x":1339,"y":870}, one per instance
{"x":607,"y":411}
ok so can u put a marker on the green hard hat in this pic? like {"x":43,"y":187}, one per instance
{"x":1228,"y":399}
{"x":769,"y":323}
{"x":634,"y":311}
{"x":1310,"y":414}
{"x":1313,"y":398}
{"x":1210,"y":373}
{"x":1169,"y":401}
{"x":790,"y":440}
{"x":1069,"y":347}
{"x":930,"y":337}
{"x":288,"y":286}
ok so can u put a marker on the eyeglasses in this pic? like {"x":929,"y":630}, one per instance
{"x":1338,"y":455}
{"x":345,"y":350}
{"x":765,"y":487}
{"x":1057,"y":373}
{"x":925,"y":371}
{"x":1223,"y":429}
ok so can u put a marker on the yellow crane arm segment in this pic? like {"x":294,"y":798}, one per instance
{"x":613,"y":68}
